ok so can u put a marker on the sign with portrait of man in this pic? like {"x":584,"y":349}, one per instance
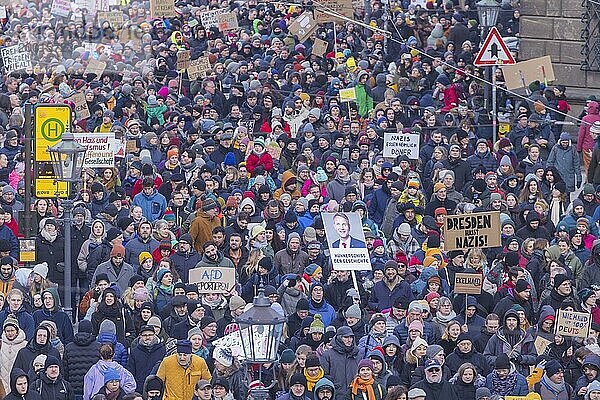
{"x":346,"y":241}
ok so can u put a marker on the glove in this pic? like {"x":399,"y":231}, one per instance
{"x":517,"y":358}
{"x":291,"y":283}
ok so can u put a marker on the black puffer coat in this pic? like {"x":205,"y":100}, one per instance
{"x":80,"y":355}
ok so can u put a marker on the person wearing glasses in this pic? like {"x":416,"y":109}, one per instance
{"x":434,"y":386}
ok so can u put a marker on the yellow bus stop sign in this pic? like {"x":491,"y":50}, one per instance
{"x":51,"y":121}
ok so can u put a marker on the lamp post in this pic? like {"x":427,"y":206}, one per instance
{"x":260,"y":329}
{"x":488,"y":11}
{"x":67,"y":161}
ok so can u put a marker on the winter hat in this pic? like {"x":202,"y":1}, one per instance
{"x":511,"y":259}
{"x":236,"y":302}
{"x":184,"y":346}
{"x":298,"y":379}
{"x":415,"y":393}
{"x":375,"y":318}
{"x":144,"y":255}
{"x":107,"y":326}
{"x":41,"y":270}
{"x":353,"y":312}
{"x":502,"y":362}
{"x":418,"y":342}
{"x":117,"y":250}
{"x":552,"y":367}
{"x":416,"y":325}
{"x":522,"y":285}
{"x":208,"y":204}
{"x":482,"y":392}
{"x":194,"y":331}
{"x":312,"y":269}
{"x":312,"y":361}
{"x":302,"y":305}
{"x":50,"y":361}
{"x":111,"y":374}
{"x":365,"y":362}
{"x":431,"y":296}
{"x":11,"y":320}
{"x":287,"y":357}
{"x":559,"y":279}
{"x":206,"y":321}
{"x":317,"y":325}
{"x":433,"y":350}
{"x":155,"y":321}
{"x":584,"y":294}
{"x":223,"y":356}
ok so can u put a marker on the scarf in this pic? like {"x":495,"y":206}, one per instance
{"x":363,"y":385}
{"x":310,"y":381}
{"x":555,"y":388}
{"x":444,"y":319}
{"x":46,"y":235}
{"x":556,"y":210}
{"x":504,"y":387}
{"x":112,"y":395}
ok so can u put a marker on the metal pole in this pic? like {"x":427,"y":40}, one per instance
{"x":486,"y":88}
{"x":68,"y":217}
{"x":28,"y":167}
{"x":494,"y":105}
{"x":334,"y":41}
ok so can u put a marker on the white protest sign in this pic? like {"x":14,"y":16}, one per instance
{"x":101,"y":149}
{"x":346,"y":241}
{"x":213,"y":279}
{"x":62,"y":8}
{"x":15,"y":58}
{"x":398,"y":144}
{"x":2,"y":12}
{"x":209,"y":18}
{"x":227,"y":21}
{"x":232,"y":341}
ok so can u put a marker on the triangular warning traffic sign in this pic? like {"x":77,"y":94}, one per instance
{"x":494,"y":51}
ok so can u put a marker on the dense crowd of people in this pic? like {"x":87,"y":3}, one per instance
{"x":234,"y":167}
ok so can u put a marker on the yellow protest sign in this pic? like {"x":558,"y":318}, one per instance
{"x":347,"y":94}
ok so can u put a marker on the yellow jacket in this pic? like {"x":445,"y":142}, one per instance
{"x":180,"y":382}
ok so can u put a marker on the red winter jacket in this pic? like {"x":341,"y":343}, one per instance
{"x":254,"y":160}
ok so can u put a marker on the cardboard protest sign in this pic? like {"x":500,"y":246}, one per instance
{"x":227,"y":21}
{"x":162,"y":8}
{"x":466,"y":231}
{"x":326,"y":10}
{"x":573,"y":323}
{"x":198,"y":68}
{"x":183,"y":59}
{"x":521,"y":74}
{"x":62,"y":8}
{"x":541,"y":344}
{"x":95,"y":67}
{"x":213,"y":279}
{"x":101,"y":149}
{"x":81,"y":107}
{"x":398,"y":144}
{"x":15,"y":58}
{"x":209,"y":18}
{"x":303,"y":26}
{"x":347,"y":95}
{"x":465,"y":283}
{"x":346,"y":241}
{"x":319,"y":47}
{"x":114,"y":18}
{"x":131,"y":146}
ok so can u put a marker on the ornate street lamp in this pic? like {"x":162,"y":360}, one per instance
{"x":67,"y":161}
{"x":260,"y":328}
{"x":488,"y":11}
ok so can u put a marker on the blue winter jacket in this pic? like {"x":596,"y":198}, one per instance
{"x":153,"y":206}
